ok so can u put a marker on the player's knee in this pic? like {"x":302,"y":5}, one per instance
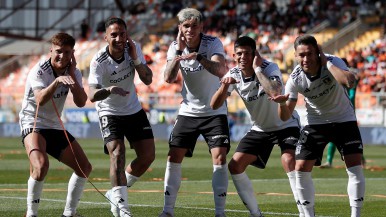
{"x":87,"y":168}
{"x":40,"y":170}
{"x":234,"y":168}
{"x":118,"y":152}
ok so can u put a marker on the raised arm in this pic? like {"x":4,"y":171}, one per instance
{"x":345,"y":78}
{"x":144,"y":72}
{"x":221,"y":94}
{"x":272,"y":85}
{"x":171,"y":69}
{"x":78,"y":93}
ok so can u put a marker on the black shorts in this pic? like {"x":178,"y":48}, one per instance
{"x":56,"y":140}
{"x":186,"y":131}
{"x":134,"y":127}
{"x":261,"y":144}
{"x":314,"y":138}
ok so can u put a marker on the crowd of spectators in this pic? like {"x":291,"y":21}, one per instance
{"x":274,"y":25}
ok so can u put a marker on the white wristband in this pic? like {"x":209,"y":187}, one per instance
{"x":282,"y":103}
{"x":137,"y":62}
{"x":329,"y":64}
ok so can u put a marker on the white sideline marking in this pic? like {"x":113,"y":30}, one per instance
{"x":144,"y":205}
{"x":187,"y":181}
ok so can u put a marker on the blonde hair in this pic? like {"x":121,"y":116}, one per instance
{"x":188,"y":14}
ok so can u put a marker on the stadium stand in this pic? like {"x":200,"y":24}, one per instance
{"x":274,"y":24}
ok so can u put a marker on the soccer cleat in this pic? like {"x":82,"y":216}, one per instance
{"x":220,"y":215}
{"x":256,"y":215}
{"x":127,"y":214}
{"x":25,"y":215}
{"x":76,"y":215}
{"x":114,"y":208}
{"x":325,"y":165}
{"x":166,"y":214}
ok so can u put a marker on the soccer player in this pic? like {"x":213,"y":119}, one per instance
{"x":201,"y":60}
{"x":47,"y":87}
{"x":331,"y":146}
{"x":121,"y":115}
{"x":255,"y":79}
{"x":322,"y":79}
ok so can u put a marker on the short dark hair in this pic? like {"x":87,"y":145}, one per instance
{"x":306,"y":40}
{"x":245,"y":41}
{"x":112,"y":20}
{"x":62,"y":39}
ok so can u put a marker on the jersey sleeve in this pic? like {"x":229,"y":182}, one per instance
{"x":172,"y":51}
{"x":36,"y":78}
{"x":291,"y":89}
{"x":217,"y":48}
{"x":338,"y":62}
{"x":95,"y":76}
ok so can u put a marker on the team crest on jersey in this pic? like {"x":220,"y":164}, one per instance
{"x":327,"y":81}
{"x":40,"y":72}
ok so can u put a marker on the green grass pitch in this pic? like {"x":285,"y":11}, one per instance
{"x":195,"y":198}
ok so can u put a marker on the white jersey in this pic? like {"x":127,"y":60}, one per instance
{"x":199,"y":84}
{"x":326,"y":100}
{"x":264,"y":112}
{"x":106,"y":72}
{"x":40,"y":77}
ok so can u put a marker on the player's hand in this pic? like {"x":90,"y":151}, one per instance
{"x":132,"y":48}
{"x":323,"y":59}
{"x":190,"y":56}
{"x":72,"y":66}
{"x":258,"y":60}
{"x":118,"y":91}
{"x":65,"y":80}
{"x":181,"y":44}
{"x":229,"y":80}
{"x":279,"y":98}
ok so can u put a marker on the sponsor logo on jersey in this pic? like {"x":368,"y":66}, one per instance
{"x":58,"y":95}
{"x":120,"y":78}
{"x":193,"y":69}
{"x":327,"y":81}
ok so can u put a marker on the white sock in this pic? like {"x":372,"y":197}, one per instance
{"x":130,"y":179}
{"x":356,"y":189}
{"x":121,"y":198}
{"x":34,"y":192}
{"x":220,"y":187}
{"x":172,"y":184}
{"x":246,"y":193}
{"x":74,"y":193}
{"x":306,"y":192}
{"x":292,"y":181}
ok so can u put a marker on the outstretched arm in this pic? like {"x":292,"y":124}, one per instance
{"x":221,"y":94}
{"x":98,"y":93}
